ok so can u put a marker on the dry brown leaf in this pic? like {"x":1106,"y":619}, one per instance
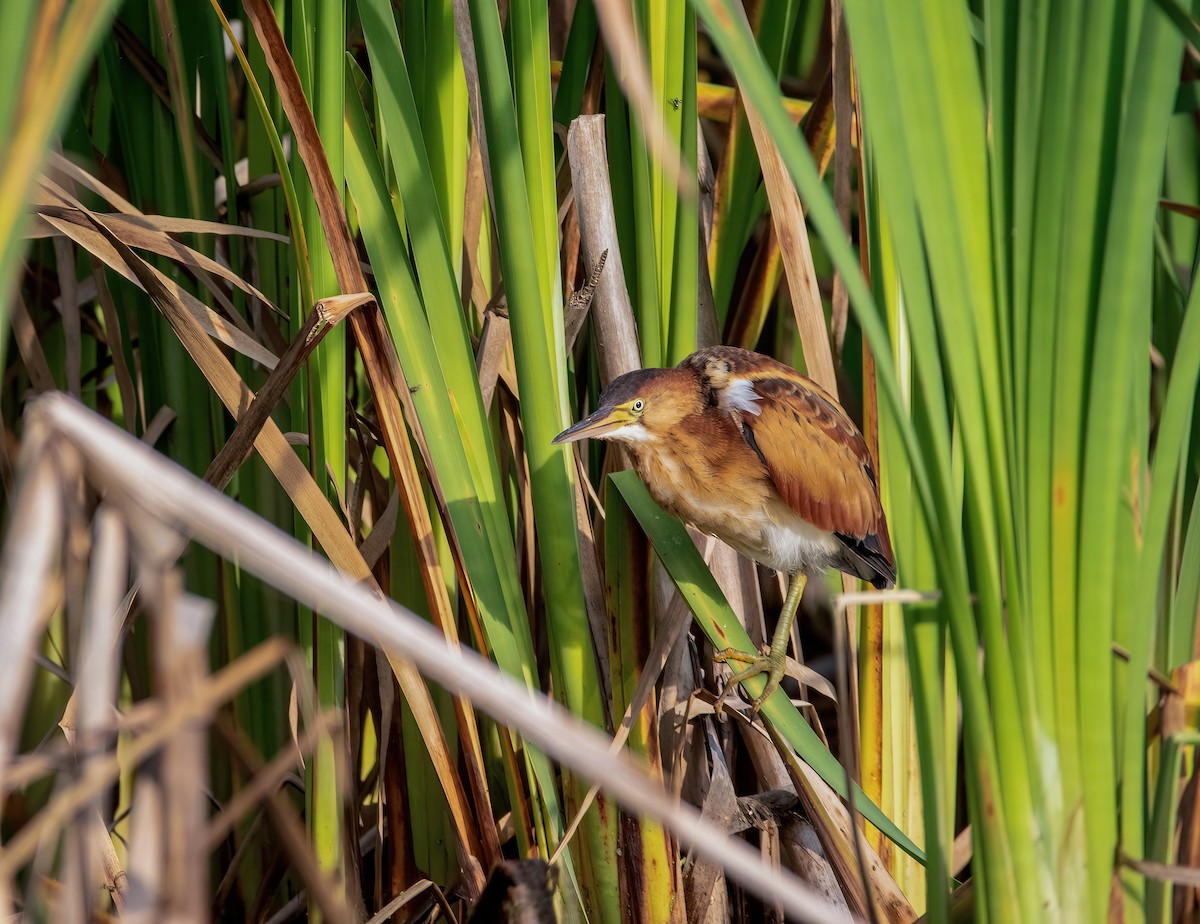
{"x":30,"y":346}
{"x":382,"y":531}
{"x":169,"y":224}
{"x":154,"y":430}
{"x":208,"y":320}
{"x":141,"y":238}
{"x":60,"y":164}
{"x":72,"y":324}
{"x":749,"y":315}
{"x":240,"y":444}
{"x":493,"y":347}
{"x":473,"y":230}
{"x":787,"y":216}
{"x":116,"y":347}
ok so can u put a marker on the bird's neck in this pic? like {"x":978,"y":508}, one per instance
{"x":667,"y":475}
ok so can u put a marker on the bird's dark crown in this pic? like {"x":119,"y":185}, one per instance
{"x":627,"y":387}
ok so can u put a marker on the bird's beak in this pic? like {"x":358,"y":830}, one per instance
{"x":601,"y":423}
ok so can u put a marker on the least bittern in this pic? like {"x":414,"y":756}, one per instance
{"x":751,"y":451}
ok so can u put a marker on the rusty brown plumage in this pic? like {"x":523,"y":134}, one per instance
{"x":817,"y":459}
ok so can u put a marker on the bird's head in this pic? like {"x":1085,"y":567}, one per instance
{"x":639,"y":407}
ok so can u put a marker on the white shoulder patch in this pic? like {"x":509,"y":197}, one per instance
{"x":739,"y":395}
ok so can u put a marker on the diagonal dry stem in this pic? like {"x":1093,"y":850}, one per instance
{"x":118,"y":463}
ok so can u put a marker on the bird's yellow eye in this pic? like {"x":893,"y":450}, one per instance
{"x":638,"y":405}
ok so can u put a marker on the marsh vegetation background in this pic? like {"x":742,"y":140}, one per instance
{"x":354,"y":264}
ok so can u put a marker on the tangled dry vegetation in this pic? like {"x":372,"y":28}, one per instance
{"x":303,"y":616}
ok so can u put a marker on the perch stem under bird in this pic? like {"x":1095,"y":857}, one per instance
{"x":749,"y":450}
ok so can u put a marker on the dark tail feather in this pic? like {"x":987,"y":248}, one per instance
{"x":869,"y":559}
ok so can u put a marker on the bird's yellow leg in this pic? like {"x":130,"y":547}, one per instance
{"x":772,"y":660}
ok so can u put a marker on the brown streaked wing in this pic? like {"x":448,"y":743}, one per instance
{"x":817,"y":459}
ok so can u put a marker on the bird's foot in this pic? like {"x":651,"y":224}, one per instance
{"x":768,"y":661}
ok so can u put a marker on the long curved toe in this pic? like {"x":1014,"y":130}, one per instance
{"x":766,"y":662}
